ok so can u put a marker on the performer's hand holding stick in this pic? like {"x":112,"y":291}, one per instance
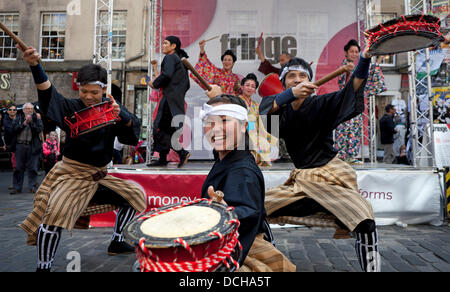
{"x":196,"y":74}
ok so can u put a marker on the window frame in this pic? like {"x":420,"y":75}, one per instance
{"x":41,"y":36}
{"x":2,"y":48}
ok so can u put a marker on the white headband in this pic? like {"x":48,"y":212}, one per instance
{"x":232,"y":110}
{"x":294,"y":68}
{"x":103,"y":85}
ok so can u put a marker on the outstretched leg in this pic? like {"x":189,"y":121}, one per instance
{"x":47,"y":242}
{"x":118,"y":246}
{"x":366,"y":246}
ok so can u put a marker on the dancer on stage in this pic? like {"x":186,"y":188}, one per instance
{"x":174,"y":82}
{"x":235,"y":173}
{"x":79,"y":186}
{"x":224,"y":77}
{"x":320,"y":183}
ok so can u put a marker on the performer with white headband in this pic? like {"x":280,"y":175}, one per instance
{"x":79,"y":186}
{"x":320,"y":183}
{"x":237,"y":176}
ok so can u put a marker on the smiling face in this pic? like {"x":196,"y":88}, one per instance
{"x":293,"y":78}
{"x":228,"y":63}
{"x":249,"y":88}
{"x":224,"y":133}
{"x":91,"y":94}
{"x":352,"y":54}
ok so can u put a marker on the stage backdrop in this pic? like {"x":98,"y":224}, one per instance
{"x":397,"y":196}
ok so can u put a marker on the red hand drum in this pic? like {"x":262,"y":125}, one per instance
{"x":92,"y":118}
{"x":199,"y":236}
{"x":270,"y":85}
{"x":403,"y":34}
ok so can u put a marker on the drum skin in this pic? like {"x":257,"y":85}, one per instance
{"x":201,"y":243}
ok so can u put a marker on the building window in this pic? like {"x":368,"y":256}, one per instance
{"x":53,"y":35}
{"x":119,"y":34}
{"x":243,"y":34}
{"x":8,"y":50}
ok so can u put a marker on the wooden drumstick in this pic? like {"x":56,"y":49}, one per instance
{"x":213,"y":38}
{"x":196,"y":74}
{"x":14,"y":37}
{"x":330,"y":76}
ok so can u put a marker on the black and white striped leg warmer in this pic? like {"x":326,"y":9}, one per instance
{"x":124,"y":215}
{"x":47,"y":243}
{"x":367,"y":251}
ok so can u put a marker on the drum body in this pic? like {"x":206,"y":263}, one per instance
{"x":270,"y":85}
{"x":199,"y":236}
{"x":403,"y":34}
{"x":92,"y":118}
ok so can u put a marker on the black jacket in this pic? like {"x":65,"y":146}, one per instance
{"x":36,"y":129}
{"x":174,"y":82}
{"x":387,"y":129}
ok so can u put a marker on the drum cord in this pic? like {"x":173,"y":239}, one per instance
{"x":150,"y":262}
{"x":405,"y":25}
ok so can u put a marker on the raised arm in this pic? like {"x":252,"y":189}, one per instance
{"x":32,"y":57}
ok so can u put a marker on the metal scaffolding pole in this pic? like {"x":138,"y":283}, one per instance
{"x":155,"y":32}
{"x":421,"y":110}
{"x":104,"y":10}
{"x":368,"y":133}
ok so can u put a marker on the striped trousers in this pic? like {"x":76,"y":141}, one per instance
{"x":327,"y":196}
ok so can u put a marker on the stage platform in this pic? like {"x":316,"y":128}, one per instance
{"x":399,"y":194}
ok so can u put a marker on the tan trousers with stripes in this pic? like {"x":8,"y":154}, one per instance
{"x":264,"y":257}
{"x":64,"y":195}
{"x":333,"y":186}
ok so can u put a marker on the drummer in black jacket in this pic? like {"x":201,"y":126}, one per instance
{"x":174,"y":82}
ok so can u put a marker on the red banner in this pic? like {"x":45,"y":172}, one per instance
{"x":160,"y":190}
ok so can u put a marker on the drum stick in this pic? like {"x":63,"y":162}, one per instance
{"x":260,"y":40}
{"x":213,"y":38}
{"x":14,"y":37}
{"x":330,"y":76}
{"x":196,"y":74}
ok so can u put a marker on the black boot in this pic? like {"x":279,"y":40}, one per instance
{"x":120,"y":247}
{"x":184,"y":156}
{"x":161,"y":162}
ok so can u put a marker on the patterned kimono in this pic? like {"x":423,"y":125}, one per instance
{"x":260,"y":140}
{"x":348,"y":135}
{"x":229,"y":82}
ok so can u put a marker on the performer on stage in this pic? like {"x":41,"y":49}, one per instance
{"x":174,"y":82}
{"x":79,"y":186}
{"x":236,"y":174}
{"x":224,"y":77}
{"x":348,"y":135}
{"x":267,"y":68}
{"x":320,"y":183}
{"x":261,"y":141}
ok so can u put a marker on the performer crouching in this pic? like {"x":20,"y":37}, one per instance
{"x":79,"y":186}
{"x":236,"y":174}
{"x":320,"y":184}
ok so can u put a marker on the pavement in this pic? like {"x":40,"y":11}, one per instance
{"x":415,"y":248}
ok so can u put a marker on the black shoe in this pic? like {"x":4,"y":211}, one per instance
{"x":14,"y":191}
{"x":158,"y":163}
{"x":184,"y":158}
{"x":39,"y":270}
{"x":32,"y":190}
{"x":121,"y":247}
